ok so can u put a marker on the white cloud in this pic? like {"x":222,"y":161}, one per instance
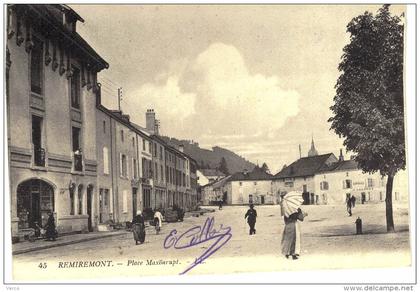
{"x":217,"y":89}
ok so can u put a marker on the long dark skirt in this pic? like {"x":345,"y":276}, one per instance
{"x":290,"y":243}
{"x":139,"y":232}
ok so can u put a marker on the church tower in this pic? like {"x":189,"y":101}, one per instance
{"x":312,"y":151}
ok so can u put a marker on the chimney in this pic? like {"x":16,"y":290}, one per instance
{"x":341,"y":157}
{"x":150,"y":121}
{"x":181,"y":148}
{"x":157,"y":126}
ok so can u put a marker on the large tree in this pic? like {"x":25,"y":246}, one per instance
{"x":368,"y":110}
{"x":223,"y":166}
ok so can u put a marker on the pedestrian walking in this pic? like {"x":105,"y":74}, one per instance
{"x":349,"y":204}
{"x":291,"y":235}
{"x":251,"y":216}
{"x":139,"y":232}
{"x":220,"y":204}
{"x":353,"y":201}
{"x":50,"y":231}
{"x":157,"y":219}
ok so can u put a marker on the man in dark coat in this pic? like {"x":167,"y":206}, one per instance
{"x":139,"y":232}
{"x":349,"y":204}
{"x":251,"y":214}
{"x":50,"y":231}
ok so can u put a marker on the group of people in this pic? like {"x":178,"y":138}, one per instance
{"x":290,"y":243}
{"x":139,"y":228}
{"x":48,"y":231}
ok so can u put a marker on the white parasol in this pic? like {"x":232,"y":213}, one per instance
{"x":291,"y":203}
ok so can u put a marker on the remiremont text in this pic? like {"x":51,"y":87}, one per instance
{"x":109,"y":263}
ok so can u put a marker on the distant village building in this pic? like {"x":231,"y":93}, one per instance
{"x":202,"y":180}
{"x":299,"y":176}
{"x":211,"y":174}
{"x":215,"y":192}
{"x":324,"y":179}
{"x":240,"y":188}
{"x":51,"y":92}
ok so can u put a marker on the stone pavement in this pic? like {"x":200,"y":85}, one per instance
{"x":27,"y":246}
{"x":40,"y":244}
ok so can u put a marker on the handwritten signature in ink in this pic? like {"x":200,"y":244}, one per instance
{"x":197,"y":235}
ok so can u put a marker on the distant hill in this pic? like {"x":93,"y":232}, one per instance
{"x":211,"y":158}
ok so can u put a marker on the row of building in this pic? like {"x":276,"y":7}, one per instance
{"x":69,"y":154}
{"x":322,"y":179}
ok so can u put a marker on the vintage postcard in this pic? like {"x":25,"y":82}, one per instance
{"x":186,"y":140}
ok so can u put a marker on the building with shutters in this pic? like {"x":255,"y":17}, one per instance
{"x":51,"y":96}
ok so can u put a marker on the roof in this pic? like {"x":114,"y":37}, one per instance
{"x":256,"y":174}
{"x":340,"y":166}
{"x":218,"y":183}
{"x":46,"y":12}
{"x":305,"y":166}
{"x":211,"y":172}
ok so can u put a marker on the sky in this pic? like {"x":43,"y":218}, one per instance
{"x":257,"y":80}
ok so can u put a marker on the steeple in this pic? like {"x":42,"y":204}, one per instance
{"x":312,"y":151}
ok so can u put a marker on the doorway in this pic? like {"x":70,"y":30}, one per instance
{"x":35,"y":198}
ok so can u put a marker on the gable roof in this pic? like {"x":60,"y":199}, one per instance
{"x":305,"y":166}
{"x":256,"y":174}
{"x":340,"y":166}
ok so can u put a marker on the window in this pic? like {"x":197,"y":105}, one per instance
{"x":36,"y":66}
{"x":370,"y":182}
{"x":76,"y":138}
{"x":104,"y":126}
{"x":154,"y":150}
{"x":161,"y":153}
{"x":289,"y":184}
{"x":347,"y":184}
{"x":77,"y":150}
{"x":80,"y":201}
{"x":125,"y":201}
{"x":123,"y":165}
{"x":39,"y":152}
{"x":156,"y":172}
{"x":161,"y":173}
{"x":71,"y":201}
{"x":122,"y":135}
{"x":144,"y":144}
{"x":324,"y":185}
{"x":135,"y":175}
{"x":75,"y":88}
{"x":150,"y":147}
{"x":106,"y":160}
{"x":134,"y":143}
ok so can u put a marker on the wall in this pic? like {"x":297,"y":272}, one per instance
{"x":238,"y":192}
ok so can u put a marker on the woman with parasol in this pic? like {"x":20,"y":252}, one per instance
{"x":290,"y":243}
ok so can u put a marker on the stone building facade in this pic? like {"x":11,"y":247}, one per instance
{"x":51,"y":94}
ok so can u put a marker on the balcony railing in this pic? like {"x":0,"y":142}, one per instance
{"x":78,"y":162}
{"x":39,"y":156}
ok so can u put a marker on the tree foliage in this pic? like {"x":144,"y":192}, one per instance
{"x":368,"y":110}
{"x":223,"y":166}
{"x":369,"y":104}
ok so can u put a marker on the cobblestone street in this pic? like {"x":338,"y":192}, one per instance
{"x":328,"y":238}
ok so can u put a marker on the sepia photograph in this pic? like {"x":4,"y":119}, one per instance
{"x":189,"y":140}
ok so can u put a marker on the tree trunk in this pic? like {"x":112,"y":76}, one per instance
{"x":388,"y":204}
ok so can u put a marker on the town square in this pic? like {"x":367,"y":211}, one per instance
{"x":177,"y":140}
